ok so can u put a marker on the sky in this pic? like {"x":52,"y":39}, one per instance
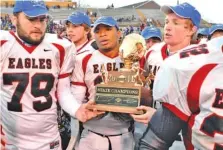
{"x":211,"y":10}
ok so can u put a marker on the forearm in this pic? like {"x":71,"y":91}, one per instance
{"x":162,"y":130}
{"x":79,"y":92}
{"x":66,"y":98}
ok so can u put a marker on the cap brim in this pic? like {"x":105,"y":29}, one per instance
{"x":215,"y":30}
{"x":169,"y":9}
{"x":148,"y":37}
{"x":73,"y":22}
{"x":32,"y":13}
{"x":107,"y":24}
{"x":95,"y":25}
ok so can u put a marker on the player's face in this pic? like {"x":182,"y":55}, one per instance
{"x":107,"y":37}
{"x":30,"y":30}
{"x":176,"y":30}
{"x":150,"y":42}
{"x":76,"y":33}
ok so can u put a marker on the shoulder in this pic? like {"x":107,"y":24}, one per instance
{"x":53,"y":39}
{"x":157,"y":47}
{"x":5,"y":36}
{"x":194,"y":56}
{"x":88,"y":48}
{"x":156,"y":51}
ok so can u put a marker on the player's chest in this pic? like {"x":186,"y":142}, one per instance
{"x":19,"y":60}
{"x":212,"y":83}
{"x":155,"y":59}
{"x":96,"y":67}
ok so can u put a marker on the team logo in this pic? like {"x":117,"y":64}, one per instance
{"x":46,"y":50}
{"x":118,"y":100}
{"x":38,"y":3}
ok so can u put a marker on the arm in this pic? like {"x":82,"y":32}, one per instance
{"x":66,"y":99}
{"x":161,"y":131}
{"x":71,"y":105}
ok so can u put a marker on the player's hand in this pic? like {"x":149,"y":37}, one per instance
{"x":83,"y":114}
{"x":144,"y":118}
{"x":92,"y":113}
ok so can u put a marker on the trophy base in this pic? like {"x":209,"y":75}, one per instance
{"x":119,"y":109}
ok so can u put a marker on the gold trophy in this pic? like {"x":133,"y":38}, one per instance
{"x":120,"y":90}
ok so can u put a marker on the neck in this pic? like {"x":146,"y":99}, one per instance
{"x":175,"y":48}
{"x":25,"y":43}
{"x":111,"y":53}
{"x":80,"y":42}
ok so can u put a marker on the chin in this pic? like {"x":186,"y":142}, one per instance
{"x":34,"y":41}
{"x":168,"y":41}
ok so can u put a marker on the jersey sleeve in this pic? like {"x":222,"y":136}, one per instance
{"x":78,"y":85}
{"x":170,"y":88}
{"x":6,"y":42}
{"x":68,"y":63}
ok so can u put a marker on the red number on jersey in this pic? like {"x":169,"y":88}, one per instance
{"x":200,"y":49}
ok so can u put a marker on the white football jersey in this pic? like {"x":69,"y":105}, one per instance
{"x":87,"y":74}
{"x":190,"y":84}
{"x":29,"y":76}
{"x":81,"y":53}
{"x":154,"y":57}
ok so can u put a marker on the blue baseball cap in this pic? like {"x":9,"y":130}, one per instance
{"x":31,"y":8}
{"x":79,"y":18}
{"x":184,"y":10}
{"x":106,"y":20}
{"x":203,"y":31}
{"x":149,"y":32}
{"x":214,"y":28}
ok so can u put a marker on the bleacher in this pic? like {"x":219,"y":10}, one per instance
{"x":155,"y":16}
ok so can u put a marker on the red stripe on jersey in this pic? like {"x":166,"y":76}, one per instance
{"x":64,"y":75}
{"x":79,"y":49}
{"x":148,"y":54}
{"x":194,"y":86}
{"x":193,"y":96}
{"x":29,"y":49}
{"x":85,"y":61}
{"x":164,"y":52}
{"x":142,"y":63}
{"x":78,"y":83}
{"x":61,"y":52}
{"x":2,"y":42}
{"x":2,"y":134}
{"x":3,"y":143}
{"x":176,"y":111}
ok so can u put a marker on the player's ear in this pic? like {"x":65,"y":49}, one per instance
{"x":119,"y":34}
{"x":192,"y":31}
{"x":14,"y":19}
